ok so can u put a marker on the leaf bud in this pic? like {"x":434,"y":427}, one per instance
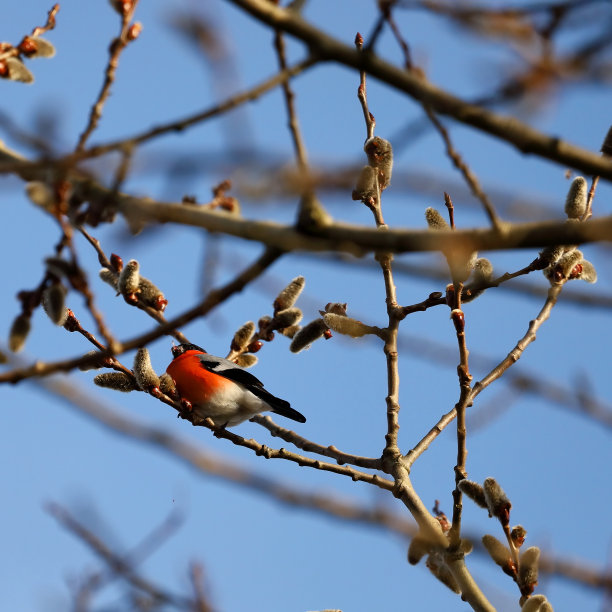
{"x":120,"y":381}
{"x":307,"y":335}
{"x":289,"y":295}
{"x":243,"y":336}
{"x":380,"y":156}
{"x":576,"y":200}
{"x":528,"y":570}
{"x":286,"y":318}
{"x":144,"y":373}
{"x":19,"y":332}
{"x":435,"y":220}
{"x":474,"y":491}
{"x":497,"y":502}
{"x":53,"y":302}
{"x":246,"y":360}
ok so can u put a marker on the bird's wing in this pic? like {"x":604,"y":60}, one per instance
{"x":229,"y":369}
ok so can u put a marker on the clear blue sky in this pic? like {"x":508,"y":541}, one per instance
{"x":258,"y":554}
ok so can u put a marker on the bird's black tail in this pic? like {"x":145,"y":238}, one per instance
{"x":278,"y":405}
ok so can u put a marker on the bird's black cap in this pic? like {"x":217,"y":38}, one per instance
{"x":182,"y":348}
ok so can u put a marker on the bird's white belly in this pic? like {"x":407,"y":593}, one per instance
{"x":231,"y":407}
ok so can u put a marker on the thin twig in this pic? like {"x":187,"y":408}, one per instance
{"x":294,"y":125}
{"x":325,"y":503}
{"x":510,"y":130}
{"x":211,"y":301}
{"x":461,"y":165}
{"x":494,"y":374}
{"x":117,"y":46}
{"x":311,"y":447}
{"x":115,"y":562}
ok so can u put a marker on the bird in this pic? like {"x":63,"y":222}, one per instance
{"x":221,"y":390}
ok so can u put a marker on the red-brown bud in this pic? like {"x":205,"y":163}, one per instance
{"x":255,"y":346}
{"x":116,"y":262}
{"x":134,"y":31}
{"x":71,"y":323}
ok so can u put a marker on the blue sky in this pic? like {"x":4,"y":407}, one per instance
{"x":257,"y":553}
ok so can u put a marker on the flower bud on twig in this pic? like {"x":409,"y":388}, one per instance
{"x":119,"y":381}
{"x":499,"y":553}
{"x":438,"y":568}
{"x":474,"y":491}
{"x":167,"y":386}
{"x":367,"y":185}
{"x":307,"y":335}
{"x":109,"y":277}
{"x":528,"y":570}
{"x":53,"y":302}
{"x":589,"y":274}
{"x":497,"y":502}
{"x":286,"y":318}
{"x":40,"y":194}
{"x":19,"y":332}
{"x":348,"y":326}
{"x":576,"y":201}
{"x":290,"y":331}
{"x":242,"y":337}
{"x":380,"y":156}
{"x":35,"y":46}
{"x":338,"y":308}
{"x":85,"y":367}
{"x":537,"y":603}
{"x":518,"y":535}
{"x":289,"y":295}
{"x":151,"y":295}
{"x":419,"y":547}
{"x":129,"y":280}
{"x":435,"y":220}
{"x":246,"y":360}
{"x":144,"y":373}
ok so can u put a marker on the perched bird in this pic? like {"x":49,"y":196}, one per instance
{"x":219,"y":389}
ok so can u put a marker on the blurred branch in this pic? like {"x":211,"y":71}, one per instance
{"x":509,"y":129}
{"x":116,"y":563}
{"x":325,"y":503}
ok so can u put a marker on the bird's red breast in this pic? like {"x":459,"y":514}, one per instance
{"x":194,"y":382}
